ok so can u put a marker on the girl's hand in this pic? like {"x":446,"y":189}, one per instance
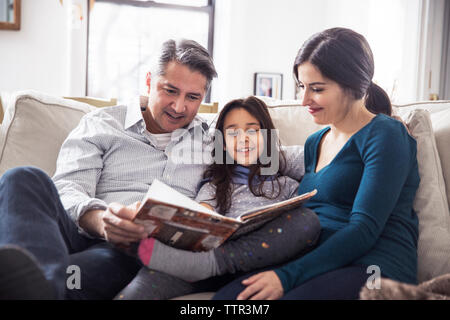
{"x":404,"y":123}
{"x":262,"y":286}
{"x":207,"y":206}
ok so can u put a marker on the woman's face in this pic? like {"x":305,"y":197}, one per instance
{"x":243,"y":137}
{"x":326,"y":101}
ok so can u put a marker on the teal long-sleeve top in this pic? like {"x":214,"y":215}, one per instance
{"x":364,"y":204}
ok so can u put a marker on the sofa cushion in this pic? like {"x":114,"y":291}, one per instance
{"x":441,"y":127}
{"x":34,"y":127}
{"x":430,"y":202}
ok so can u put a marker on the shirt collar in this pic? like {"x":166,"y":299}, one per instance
{"x":134,"y":114}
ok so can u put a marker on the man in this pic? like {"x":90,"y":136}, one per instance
{"x":104,"y":167}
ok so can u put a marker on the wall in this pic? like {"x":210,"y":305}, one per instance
{"x":265,"y":35}
{"x":258,"y":36}
{"x":48,"y":52}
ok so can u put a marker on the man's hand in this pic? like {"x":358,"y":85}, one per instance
{"x":262,"y":286}
{"x":114,"y":224}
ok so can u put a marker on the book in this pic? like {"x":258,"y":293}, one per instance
{"x":183,"y":223}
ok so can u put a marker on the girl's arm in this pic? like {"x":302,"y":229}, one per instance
{"x":294,"y":165}
{"x":206,"y":196}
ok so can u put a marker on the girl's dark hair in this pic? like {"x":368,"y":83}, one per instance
{"x":220,"y":175}
{"x":345,"y":57}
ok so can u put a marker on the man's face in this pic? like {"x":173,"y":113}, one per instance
{"x":174,"y":98}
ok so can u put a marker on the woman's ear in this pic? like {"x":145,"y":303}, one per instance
{"x":148,"y":77}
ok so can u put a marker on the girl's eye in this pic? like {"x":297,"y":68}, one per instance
{"x":252,"y":131}
{"x":232,"y":133}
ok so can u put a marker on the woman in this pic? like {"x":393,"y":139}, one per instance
{"x":364,"y":167}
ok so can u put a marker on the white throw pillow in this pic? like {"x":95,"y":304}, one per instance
{"x":34,"y":128}
{"x":441,"y":127}
{"x":430,"y":202}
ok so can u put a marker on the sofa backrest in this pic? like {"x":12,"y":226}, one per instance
{"x":34,"y":127}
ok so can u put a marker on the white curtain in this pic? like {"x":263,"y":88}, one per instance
{"x":430,"y":49}
{"x":393,"y":33}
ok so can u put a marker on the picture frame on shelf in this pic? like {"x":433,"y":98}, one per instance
{"x":268,"y":85}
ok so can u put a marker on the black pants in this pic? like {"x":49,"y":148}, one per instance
{"x":340,"y":284}
{"x":32,"y":217}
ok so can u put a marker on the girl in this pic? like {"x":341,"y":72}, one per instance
{"x":231,"y":188}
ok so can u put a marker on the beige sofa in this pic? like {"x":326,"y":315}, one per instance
{"x":36,"y":124}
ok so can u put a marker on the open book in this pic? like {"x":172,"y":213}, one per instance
{"x":183,"y":223}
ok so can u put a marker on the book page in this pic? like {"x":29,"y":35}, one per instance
{"x":159,"y":191}
{"x":292,"y":202}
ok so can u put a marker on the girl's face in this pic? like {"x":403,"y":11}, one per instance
{"x":326,"y":101}
{"x":243,"y":137}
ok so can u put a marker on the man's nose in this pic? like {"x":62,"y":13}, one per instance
{"x":179,"y":105}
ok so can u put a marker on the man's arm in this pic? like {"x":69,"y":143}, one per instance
{"x":79,"y":167}
{"x":90,"y":222}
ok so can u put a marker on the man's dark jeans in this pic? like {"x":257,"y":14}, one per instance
{"x":32,"y":217}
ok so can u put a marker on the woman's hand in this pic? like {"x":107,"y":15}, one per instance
{"x":262,"y":286}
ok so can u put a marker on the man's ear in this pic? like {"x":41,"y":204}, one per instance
{"x":148,"y":78}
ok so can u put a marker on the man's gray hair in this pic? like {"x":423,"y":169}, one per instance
{"x":188,"y":53}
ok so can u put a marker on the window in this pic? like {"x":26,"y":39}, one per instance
{"x":124,"y":35}
{"x":393,"y":39}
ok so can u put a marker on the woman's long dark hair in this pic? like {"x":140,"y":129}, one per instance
{"x":345,"y":57}
{"x":220,"y":175}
